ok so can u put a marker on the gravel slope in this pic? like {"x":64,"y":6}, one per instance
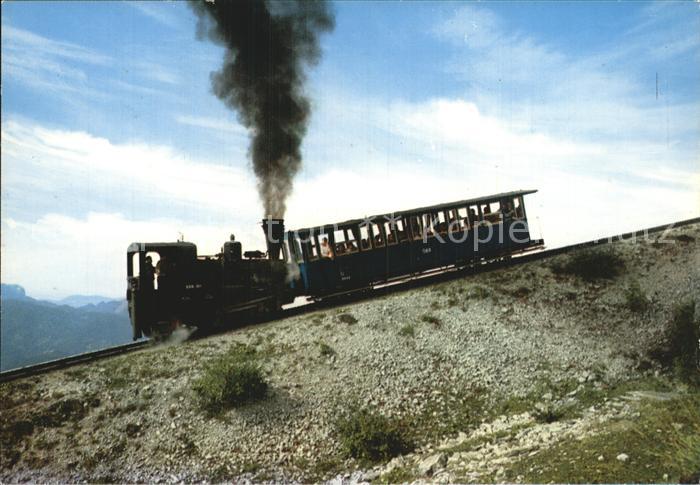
{"x":427,"y":354}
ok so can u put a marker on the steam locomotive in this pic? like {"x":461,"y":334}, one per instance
{"x":170,"y":285}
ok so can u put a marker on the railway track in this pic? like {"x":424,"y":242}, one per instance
{"x":413,"y":281}
{"x":72,"y":360}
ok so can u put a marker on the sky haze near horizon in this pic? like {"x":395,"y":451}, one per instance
{"x":111,"y":133}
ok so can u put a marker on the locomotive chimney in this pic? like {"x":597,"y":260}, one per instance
{"x":274,"y":235}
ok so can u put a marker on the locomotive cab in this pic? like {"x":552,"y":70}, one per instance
{"x":157,"y":274}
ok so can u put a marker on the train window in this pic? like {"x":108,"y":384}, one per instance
{"x":136,"y":271}
{"x":491,"y":212}
{"x":325,"y":249}
{"x":339,"y":241}
{"x":462,"y":217}
{"x":364,"y":236}
{"x":402,"y":227}
{"x":442,"y":218}
{"x":429,"y":223}
{"x":506,"y":209}
{"x":416,"y":226}
{"x":311,"y":247}
{"x":518,"y":207}
{"x":351,"y":238}
{"x":377,"y":235}
{"x":297,"y":249}
{"x":288,"y":250}
{"x":390,"y":232}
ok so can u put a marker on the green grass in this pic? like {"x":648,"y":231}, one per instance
{"x":592,"y":264}
{"x":400,"y":474}
{"x":664,"y":440}
{"x":408,"y":330}
{"x":370,"y":437}
{"x":231,"y":380}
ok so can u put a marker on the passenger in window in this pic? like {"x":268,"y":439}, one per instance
{"x":326,"y":250}
{"x":486,"y":209}
{"x":519,"y":212}
{"x":350,"y":247}
{"x":148,"y":274}
{"x":507,"y":210}
{"x":472,"y":216}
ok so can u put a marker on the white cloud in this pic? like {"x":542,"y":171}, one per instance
{"x":210,"y":123}
{"x":161,"y":12}
{"x":138,"y":169}
{"x":48,"y":65}
{"x":604,"y":94}
{"x":36,"y":46}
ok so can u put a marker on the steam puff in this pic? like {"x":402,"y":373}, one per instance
{"x":268,"y":45}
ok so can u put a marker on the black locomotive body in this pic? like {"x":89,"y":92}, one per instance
{"x":202,"y":291}
{"x":170,"y":285}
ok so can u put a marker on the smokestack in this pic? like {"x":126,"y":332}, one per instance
{"x":274,"y":235}
{"x":268,"y":45}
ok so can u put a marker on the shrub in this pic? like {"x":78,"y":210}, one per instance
{"x":325,"y":349}
{"x":683,"y":337}
{"x":479,"y":292}
{"x":435,"y":321}
{"x":635,"y":298}
{"x":680,"y":347}
{"x":231,"y":380}
{"x":592,"y":264}
{"x":347,"y":318}
{"x":407,"y":330}
{"x":548,"y":413}
{"x":370,"y":437}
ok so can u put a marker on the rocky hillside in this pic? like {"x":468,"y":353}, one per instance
{"x":570,"y":369}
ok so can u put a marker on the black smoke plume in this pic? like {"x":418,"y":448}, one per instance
{"x":268,"y":45}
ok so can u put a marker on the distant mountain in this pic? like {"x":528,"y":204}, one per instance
{"x":33,"y":331}
{"x":77,"y":301}
{"x":112,"y":306}
{"x":12,"y":292}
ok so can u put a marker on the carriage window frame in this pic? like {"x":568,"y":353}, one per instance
{"x":404,"y":231}
{"x":427,"y":228}
{"x":298,"y":250}
{"x":339,"y":243}
{"x":390,"y":233}
{"x":520,"y":208}
{"x":495,"y":216}
{"x":463,"y":217}
{"x":376,"y":234}
{"x":308,"y":244}
{"x":351,"y":237}
{"x":415,"y":226}
{"x":319,"y":238}
{"x":364,"y":239}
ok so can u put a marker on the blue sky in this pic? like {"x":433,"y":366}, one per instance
{"x":110,"y":132}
